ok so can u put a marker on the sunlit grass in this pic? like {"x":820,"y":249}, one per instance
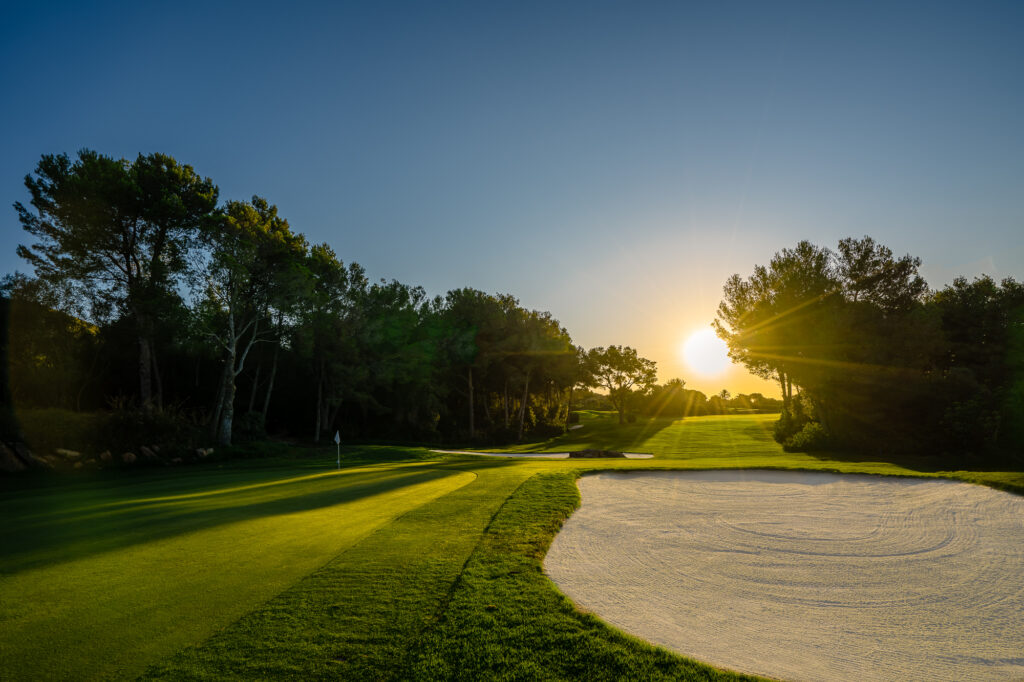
{"x":718,"y":436}
{"x":98,"y":589}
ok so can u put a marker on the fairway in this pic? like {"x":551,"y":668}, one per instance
{"x":406,"y":564}
{"x":178,"y":563}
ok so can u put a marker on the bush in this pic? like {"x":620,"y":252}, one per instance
{"x":248,"y":427}
{"x":129,"y":427}
{"x":791,"y":422}
{"x":547,"y":431}
{"x":45,"y":430}
{"x":812,"y":436}
{"x":970,"y":426}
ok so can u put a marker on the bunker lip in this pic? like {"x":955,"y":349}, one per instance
{"x":803,"y":575}
{"x":539,"y":455}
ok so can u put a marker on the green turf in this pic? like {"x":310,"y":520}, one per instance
{"x":394,"y":568}
{"x":99,"y":581}
{"x":725,"y":435}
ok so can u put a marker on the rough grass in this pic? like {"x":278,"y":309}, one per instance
{"x":394,"y":568}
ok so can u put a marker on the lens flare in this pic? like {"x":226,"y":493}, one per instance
{"x":706,"y":354}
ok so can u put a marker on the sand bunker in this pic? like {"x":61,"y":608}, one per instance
{"x":804,"y":576}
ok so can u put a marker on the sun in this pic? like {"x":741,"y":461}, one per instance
{"x":705,"y":353}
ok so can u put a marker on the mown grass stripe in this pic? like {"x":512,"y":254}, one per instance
{"x":358,"y":616}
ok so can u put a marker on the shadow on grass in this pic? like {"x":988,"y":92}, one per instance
{"x":83,"y":518}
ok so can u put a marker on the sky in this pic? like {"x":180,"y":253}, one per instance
{"x":610,"y":162}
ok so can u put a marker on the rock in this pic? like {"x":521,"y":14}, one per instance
{"x":9,"y":461}
{"x":106,"y":457}
{"x":78,"y":465}
{"x":596,"y":453}
{"x":200,"y":452}
{"x":30,"y":458}
{"x":147,"y":453}
{"x":176,"y":460}
{"x":129,"y":458}
{"x":156,"y":448}
{"x":67,"y":454}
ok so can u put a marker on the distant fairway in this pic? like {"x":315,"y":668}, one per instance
{"x":719,"y":436}
{"x":416,"y":566}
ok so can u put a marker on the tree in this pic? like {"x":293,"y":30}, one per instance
{"x":581,"y":375}
{"x":473,"y":322}
{"x":250,"y":249}
{"x":618,"y":369}
{"x":54,"y":358}
{"x":118,"y":233}
{"x":869,"y":273}
{"x":326,"y":324}
{"x":772,"y":319}
{"x":848,"y":330}
{"x":539,"y":344}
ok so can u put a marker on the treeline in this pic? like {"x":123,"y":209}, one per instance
{"x":867,"y":357}
{"x":221,"y":317}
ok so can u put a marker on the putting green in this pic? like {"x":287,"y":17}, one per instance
{"x":101,"y":612}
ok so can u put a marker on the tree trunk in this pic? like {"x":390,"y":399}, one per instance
{"x":487,"y":409}
{"x":319,"y":400}
{"x":255,"y":385}
{"x":218,"y":406}
{"x":159,"y":393}
{"x":568,"y":408}
{"x":506,"y":403}
{"x":469,"y":383}
{"x":522,"y":406}
{"x":227,"y":412}
{"x":145,"y":378}
{"x":270,"y":386}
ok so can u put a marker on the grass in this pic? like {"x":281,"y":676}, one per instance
{"x":404,"y":565}
{"x":726,"y":435}
{"x":98,"y":581}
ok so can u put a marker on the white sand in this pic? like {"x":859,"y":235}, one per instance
{"x":535,"y":455}
{"x":804,"y":576}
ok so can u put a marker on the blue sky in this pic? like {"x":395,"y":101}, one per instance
{"x":613,"y":163}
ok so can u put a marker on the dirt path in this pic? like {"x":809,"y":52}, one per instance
{"x":804,"y":575}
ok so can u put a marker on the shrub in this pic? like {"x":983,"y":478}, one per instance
{"x":249,"y":427}
{"x":45,"y":430}
{"x":547,"y":430}
{"x":812,"y":436}
{"x":129,"y":427}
